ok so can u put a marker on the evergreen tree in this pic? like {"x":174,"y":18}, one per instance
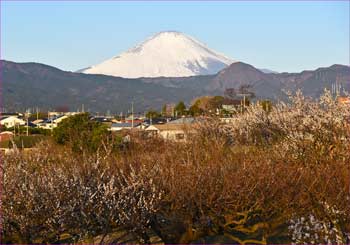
{"x":80,"y":133}
{"x":180,"y":108}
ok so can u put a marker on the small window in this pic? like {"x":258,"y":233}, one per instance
{"x":180,"y":136}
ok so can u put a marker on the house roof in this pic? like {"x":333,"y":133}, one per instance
{"x":183,"y":120}
{"x":11,"y":114}
{"x":124,"y":125}
{"x":156,"y":121}
{"x":6,"y":132}
{"x":101,"y":119}
{"x":135,"y":121}
{"x":54,"y":118}
{"x":12,"y":117}
{"x":30,"y":124}
{"x":344,"y":100}
{"x":228,"y":101}
{"x":37,"y":121}
{"x":168,"y":127}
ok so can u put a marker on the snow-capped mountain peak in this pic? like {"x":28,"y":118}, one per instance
{"x":167,"y":54}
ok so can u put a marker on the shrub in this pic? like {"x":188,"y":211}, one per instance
{"x":220,"y":186}
{"x":80,"y":133}
{"x":23,"y":141}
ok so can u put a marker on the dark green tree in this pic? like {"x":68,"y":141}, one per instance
{"x":180,"y":108}
{"x":39,"y":115}
{"x":164,"y":110}
{"x":216,"y":102}
{"x":80,"y":133}
{"x":195,"y":110}
{"x":266,"y":105}
{"x":152,"y":114}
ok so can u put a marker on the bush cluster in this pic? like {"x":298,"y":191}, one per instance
{"x":278,"y":177}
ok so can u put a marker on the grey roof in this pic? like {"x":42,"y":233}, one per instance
{"x":10,"y":114}
{"x":183,"y":120}
{"x":52,"y":119}
{"x":124,"y":125}
{"x":101,"y":119}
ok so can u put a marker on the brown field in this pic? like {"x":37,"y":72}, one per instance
{"x":278,"y":177}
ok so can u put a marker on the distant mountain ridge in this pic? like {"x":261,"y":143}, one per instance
{"x":27,"y":85}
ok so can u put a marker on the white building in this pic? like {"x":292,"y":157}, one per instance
{"x":227,"y":119}
{"x":52,"y":123}
{"x":11,"y":121}
{"x":122,"y":126}
{"x":176,"y":132}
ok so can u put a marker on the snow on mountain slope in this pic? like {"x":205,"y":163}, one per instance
{"x":268,"y":71}
{"x":166,"y":54}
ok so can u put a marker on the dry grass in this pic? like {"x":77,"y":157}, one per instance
{"x":212,"y":188}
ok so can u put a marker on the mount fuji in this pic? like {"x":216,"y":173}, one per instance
{"x":166,"y":54}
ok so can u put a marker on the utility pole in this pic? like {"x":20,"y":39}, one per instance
{"x":243,"y":102}
{"x":27,"y":126}
{"x":37,"y":113}
{"x":27,"y":117}
{"x":48,"y":118}
{"x":132,"y":114}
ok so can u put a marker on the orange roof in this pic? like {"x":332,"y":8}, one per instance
{"x":344,"y":100}
{"x":169,"y":126}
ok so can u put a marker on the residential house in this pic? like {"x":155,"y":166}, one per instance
{"x":157,"y":120}
{"x":229,"y":108}
{"x":8,"y":114}
{"x":184,"y":120}
{"x":5,"y":135}
{"x":101,"y":119}
{"x":344,"y":100}
{"x":227,"y":119}
{"x":231,"y":105}
{"x":170,"y":131}
{"x":52,"y":122}
{"x":104,"y":120}
{"x":169,"y":110}
{"x":37,"y":121}
{"x":11,"y":121}
{"x":124,"y":125}
{"x":136,"y":121}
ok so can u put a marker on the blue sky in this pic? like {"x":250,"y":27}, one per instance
{"x":279,"y":35}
